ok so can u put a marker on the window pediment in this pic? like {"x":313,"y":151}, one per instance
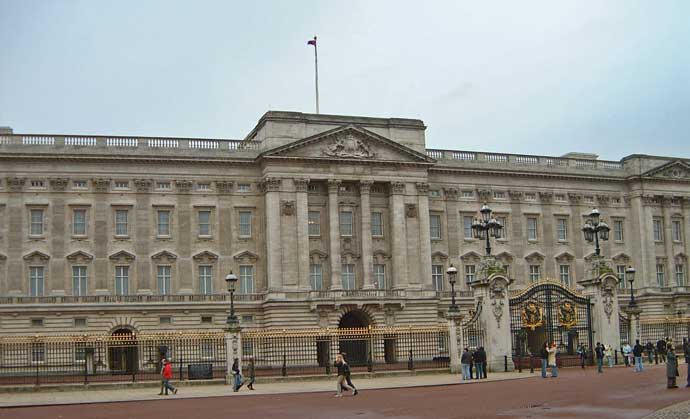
{"x":245,"y":256}
{"x":36,"y":256}
{"x":164,"y":255}
{"x":565,"y":256}
{"x":79,"y":256}
{"x":535,"y":257}
{"x":471,"y":256}
{"x":439,"y":256}
{"x":122,"y":255}
{"x":317,"y":254}
{"x":205,"y":256}
{"x":621,"y":258}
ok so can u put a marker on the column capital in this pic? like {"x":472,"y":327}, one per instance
{"x":333,"y":185}
{"x":397,"y":188}
{"x":301,"y":184}
{"x":271,"y":184}
{"x":365,"y":186}
{"x":422,"y":188}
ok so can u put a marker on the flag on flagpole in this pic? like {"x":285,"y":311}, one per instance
{"x":312,"y":42}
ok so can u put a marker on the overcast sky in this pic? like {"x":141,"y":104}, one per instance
{"x":547,"y":77}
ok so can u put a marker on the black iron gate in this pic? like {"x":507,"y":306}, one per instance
{"x":550,"y":312}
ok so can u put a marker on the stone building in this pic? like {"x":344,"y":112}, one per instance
{"x":328,"y":221}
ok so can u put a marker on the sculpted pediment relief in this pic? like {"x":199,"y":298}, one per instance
{"x":349,"y":143}
{"x":675,"y":170}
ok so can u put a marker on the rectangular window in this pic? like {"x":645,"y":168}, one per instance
{"x":534,"y":273}
{"x":165,"y":320}
{"x":243,"y":187}
{"x":504,"y":231}
{"x":437,"y":277}
{"x":79,"y":280}
{"x":163,"y":279}
{"x":345,"y":223}
{"x":38,"y":352}
{"x":530,"y":196}
{"x":435,"y":226}
{"x":316,"y":276}
{"x":38,"y":184}
{"x":121,"y":222}
{"x":564,"y":272}
{"x":36,"y":281}
{"x":121,"y":184}
{"x":122,"y":280}
{"x":532,"y":228}
{"x":246,"y":279}
{"x":79,"y":184}
{"x":203,"y":187}
{"x":620,"y":273}
{"x":377,"y":224}
{"x":562,"y":229}
{"x":618,"y":234}
{"x":499,"y":195}
{"x":314,"y":223}
{"x":205,"y":223}
{"x":79,"y":352}
{"x":467,"y":194}
{"x":680,"y":274}
{"x":36,"y":322}
{"x":80,"y":322}
{"x":660,"y":274}
{"x":163,"y":223}
{"x":467,"y":226}
{"x":79,"y":222}
{"x":205,"y":279}
{"x":435,"y":193}
{"x":348,"y":276}
{"x":36,"y":222}
{"x":245,"y":223}
{"x":676,"y":230}
{"x":163,"y":186}
{"x":206,"y":319}
{"x":470,"y":272}
{"x":380,"y":276}
{"x":658,"y":230}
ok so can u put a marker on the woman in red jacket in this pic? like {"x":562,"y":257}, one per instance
{"x":167,"y":375}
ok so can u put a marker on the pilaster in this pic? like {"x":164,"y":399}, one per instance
{"x":367,"y":257}
{"x":271,"y":187}
{"x":424,"y":235}
{"x":492,"y":293}
{"x":334,"y":233}
{"x":398,"y":233}
{"x":302,"y":214}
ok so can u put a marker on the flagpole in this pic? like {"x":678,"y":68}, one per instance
{"x":316,"y":73}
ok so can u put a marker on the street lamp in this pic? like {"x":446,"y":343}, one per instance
{"x":231,"y":279}
{"x":487,"y":226}
{"x":595,"y":229}
{"x":630,"y":276}
{"x":452,"y":272}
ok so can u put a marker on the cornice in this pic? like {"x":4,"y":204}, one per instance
{"x":131,"y":159}
{"x":506,"y":173}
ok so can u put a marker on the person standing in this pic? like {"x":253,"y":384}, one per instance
{"x":167,"y":375}
{"x":608,"y":351}
{"x":627,"y":353}
{"x":483,"y":358}
{"x":237,"y":375}
{"x":477,"y":361}
{"x":661,"y":349}
{"x":251,"y":373}
{"x":342,"y":367}
{"x":599,"y":353}
{"x":465,"y":361}
{"x":671,"y":367}
{"x":637,"y":353}
{"x":686,"y":350}
{"x":348,"y":374}
{"x":552,"y":350}
{"x":544,"y":358}
{"x":582,"y":352}
{"x":649,"y":347}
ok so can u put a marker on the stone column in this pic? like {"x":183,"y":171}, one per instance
{"x":398,"y":233}
{"x":17,"y":232}
{"x":302,"y":208}
{"x":334,"y":233}
{"x":634,"y":317}
{"x":454,"y":347}
{"x":367,"y":256}
{"x":668,"y":243}
{"x":425,"y":235}
{"x":642,"y":227}
{"x":233,"y":349}
{"x":453,"y":222}
{"x":273,"y":237}
{"x":602,"y":292}
{"x":686,"y":232}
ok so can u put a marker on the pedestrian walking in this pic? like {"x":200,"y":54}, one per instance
{"x":661,"y":349}
{"x":237,"y":375}
{"x":552,"y":351}
{"x":477,"y":361}
{"x":637,"y":353}
{"x":465,"y":361}
{"x":649,"y":347}
{"x":627,"y":354}
{"x":484,"y":363}
{"x":671,"y":367}
{"x":343,"y":368}
{"x":348,"y":374}
{"x":582,"y":352}
{"x":608,"y":351}
{"x":599,"y":353}
{"x":544,"y":358}
{"x":251,"y":373}
{"x":167,"y":375}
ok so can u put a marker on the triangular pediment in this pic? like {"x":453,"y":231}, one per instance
{"x":164,"y":255}
{"x":351,"y":143}
{"x":79,"y":256}
{"x":245,"y":256}
{"x":674,"y":170}
{"x":205,"y":255}
{"x":37,"y":256}
{"x":122,"y":255}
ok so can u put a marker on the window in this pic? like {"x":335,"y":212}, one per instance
{"x":314,"y":223}
{"x":618,"y":234}
{"x":243,"y":187}
{"x":79,"y":222}
{"x":530,"y":196}
{"x":467,"y":226}
{"x":532,"y":228}
{"x":470,"y":271}
{"x":467,"y":194}
{"x":36,"y":281}
{"x":564,"y":273}
{"x":36,"y":228}
{"x":534,"y":273}
{"x":122,"y":280}
{"x":435,"y":226}
{"x":38,"y":352}
{"x":163,"y":223}
{"x":658,"y":230}
{"x":38,"y":184}
{"x":348,"y":276}
{"x":316,"y":276}
{"x":559,"y":197}
{"x":245,"y":223}
{"x":660,"y":274}
{"x":246,"y":279}
{"x":620,"y":273}
{"x":247,"y":318}
{"x":313,"y":187}
{"x":163,"y":186}
{"x":680,"y":274}
{"x":36,"y":322}
{"x":203,"y":187}
{"x":121,"y":223}
{"x":79,"y":280}
{"x":437,"y":277}
{"x":380,"y":276}
{"x":163,"y":279}
{"x":562,"y":229}
{"x":205,"y":279}
{"x":345,"y":223}
{"x":589,"y":199}
{"x":79,"y":184}
{"x":435,"y":193}
{"x":206,"y":319}
{"x":499,"y":195}
{"x":204,"y":223}
{"x":121,"y":184}
{"x":377,"y":224}
{"x":165,"y":320}
{"x":676,"y":231}
{"x":80,"y":322}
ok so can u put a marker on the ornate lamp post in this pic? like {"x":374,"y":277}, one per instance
{"x":630,"y":277}
{"x":452,"y":272}
{"x":486,"y":226}
{"x":595,"y":229}
{"x":232,"y":320}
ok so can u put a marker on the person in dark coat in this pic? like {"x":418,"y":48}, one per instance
{"x":544,"y":354}
{"x":237,"y":375}
{"x":348,"y":374}
{"x":582,"y":352}
{"x":477,"y":361}
{"x":637,"y":354}
{"x":649,"y":347}
{"x":671,"y":367}
{"x":599,"y":352}
{"x":661,"y":349}
{"x":483,"y":358}
{"x":343,"y":369}
{"x":251,"y":373}
{"x":465,"y":362}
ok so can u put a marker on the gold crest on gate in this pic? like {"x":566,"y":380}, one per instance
{"x":567,"y":315}
{"x":532,"y":315}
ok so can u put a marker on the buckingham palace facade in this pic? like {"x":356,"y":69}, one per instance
{"x":327,"y":221}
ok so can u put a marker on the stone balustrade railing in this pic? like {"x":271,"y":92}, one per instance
{"x":498,"y":159}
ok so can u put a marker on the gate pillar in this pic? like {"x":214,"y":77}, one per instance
{"x":492,"y":293}
{"x":233,"y":349}
{"x":454,"y":344}
{"x":602,"y":291}
{"x":634,"y":318}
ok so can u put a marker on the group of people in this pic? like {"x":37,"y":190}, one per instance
{"x":238,"y":379}
{"x":548,"y":359}
{"x":343,"y":376}
{"x":473,"y":364}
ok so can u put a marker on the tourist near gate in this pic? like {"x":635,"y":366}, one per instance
{"x":550,"y":312}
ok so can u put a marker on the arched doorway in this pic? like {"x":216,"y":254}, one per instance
{"x":123,"y":354}
{"x":353,"y":342}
